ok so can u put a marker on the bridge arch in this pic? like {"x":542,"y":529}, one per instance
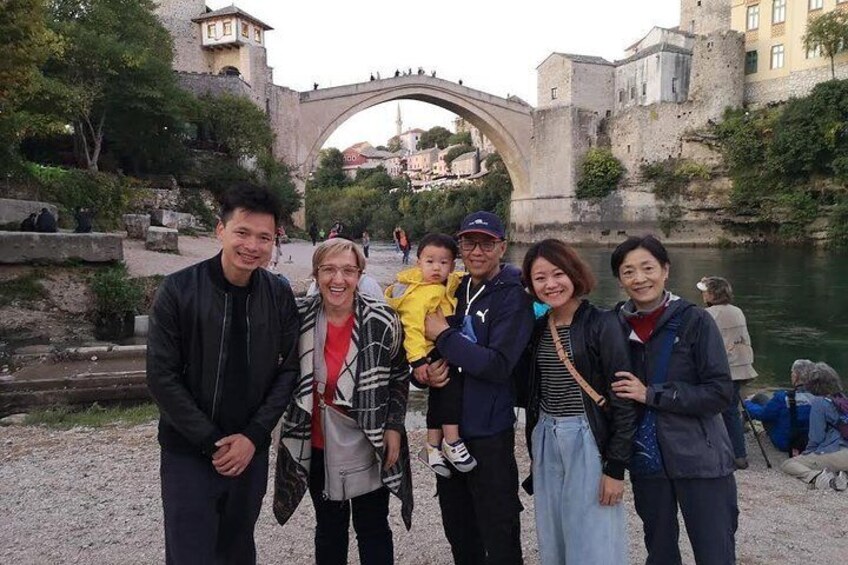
{"x":506,"y":122}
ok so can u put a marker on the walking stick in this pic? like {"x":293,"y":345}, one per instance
{"x":753,"y":429}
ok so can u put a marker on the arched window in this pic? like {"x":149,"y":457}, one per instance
{"x":230,"y":72}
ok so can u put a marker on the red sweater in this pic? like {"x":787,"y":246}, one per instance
{"x":335,"y":351}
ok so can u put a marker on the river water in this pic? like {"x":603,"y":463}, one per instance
{"x":795,"y":299}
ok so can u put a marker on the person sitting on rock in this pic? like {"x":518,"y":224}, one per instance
{"x":29,"y":223}
{"x":45,"y":222}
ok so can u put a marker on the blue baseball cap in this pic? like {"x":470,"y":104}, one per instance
{"x":482,"y":222}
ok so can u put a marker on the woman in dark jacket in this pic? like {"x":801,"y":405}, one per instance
{"x":579,"y":448}
{"x":682,"y":454}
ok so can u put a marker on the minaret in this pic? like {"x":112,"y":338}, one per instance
{"x":399,"y":122}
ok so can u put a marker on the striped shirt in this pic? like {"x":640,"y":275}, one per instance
{"x":560,"y":394}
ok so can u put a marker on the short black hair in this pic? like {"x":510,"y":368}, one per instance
{"x":648,"y":242}
{"x":252,"y":198}
{"x":438,"y":240}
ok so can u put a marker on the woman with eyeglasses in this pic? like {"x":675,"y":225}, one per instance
{"x":682,"y":457}
{"x":343,"y":435}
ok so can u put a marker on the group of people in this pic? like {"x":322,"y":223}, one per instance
{"x":42,"y":222}
{"x":641,"y":387}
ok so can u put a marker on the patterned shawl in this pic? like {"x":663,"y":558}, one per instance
{"x":373,"y":385}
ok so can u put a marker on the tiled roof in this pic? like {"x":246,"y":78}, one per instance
{"x":231,"y":11}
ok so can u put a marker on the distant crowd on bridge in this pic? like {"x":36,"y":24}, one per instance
{"x":398,"y":73}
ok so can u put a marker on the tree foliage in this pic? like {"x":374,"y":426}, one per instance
{"x":461,"y":138}
{"x":828,"y":32}
{"x":115,"y":67}
{"x":235,"y":124}
{"x":434,"y":137}
{"x":599,"y":174}
{"x":330,"y":172}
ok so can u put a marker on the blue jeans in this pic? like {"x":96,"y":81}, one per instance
{"x":733,"y":423}
{"x":571,"y":525}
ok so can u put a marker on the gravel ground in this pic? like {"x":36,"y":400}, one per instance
{"x":92,"y":496}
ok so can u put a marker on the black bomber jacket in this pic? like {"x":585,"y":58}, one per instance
{"x":187,"y":354}
{"x":600,"y":350}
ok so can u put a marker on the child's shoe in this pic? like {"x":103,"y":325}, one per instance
{"x":822,"y":480}
{"x":840,"y":481}
{"x":458,"y":456}
{"x":433,"y":458}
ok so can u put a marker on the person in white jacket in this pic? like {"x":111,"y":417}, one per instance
{"x":718,"y":295}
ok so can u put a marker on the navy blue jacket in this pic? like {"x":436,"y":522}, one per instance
{"x":691,"y":433}
{"x":503,"y":323}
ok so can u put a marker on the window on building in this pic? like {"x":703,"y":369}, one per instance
{"x":644,"y":88}
{"x":751,"y":62}
{"x":814,"y":51}
{"x":674,"y":85}
{"x":245,"y":30}
{"x":778,"y":11}
{"x":816,"y":5}
{"x":257,"y":35}
{"x":777,"y":57}
{"x":211,"y":31}
{"x":632,"y":92}
{"x":753,"y":17}
{"x":228,"y":28}
{"x":621,"y":95}
{"x":554,"y":93}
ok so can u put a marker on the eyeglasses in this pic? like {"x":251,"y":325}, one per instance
{"x":468,"y":245}
{"x":348,"y":272}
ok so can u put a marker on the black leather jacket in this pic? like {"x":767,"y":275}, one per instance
{"x":600,"y":350}
{"x":187,"y":355}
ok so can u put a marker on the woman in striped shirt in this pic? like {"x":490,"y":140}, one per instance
{"x":580,"y":434}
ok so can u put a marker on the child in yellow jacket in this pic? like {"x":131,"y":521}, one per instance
{"x":430,"y":286}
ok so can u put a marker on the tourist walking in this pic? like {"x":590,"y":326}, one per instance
{"x":579,"y":433}
{"x":366,"y":242}
{"x":313,"y":233}
{"x":220,"y":387}
{"x":682,"y":456}
{"x":717,"y":295}
{"x":404,"y":245}
{"x":484,"y":340}
{"x":343,"y":436}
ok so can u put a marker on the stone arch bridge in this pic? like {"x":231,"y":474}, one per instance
{"x":310,"y":119}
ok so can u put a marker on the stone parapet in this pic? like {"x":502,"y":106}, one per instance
{"x":26,"y":247}
{"x":16,"y":211}
{"x":137,"y":225}
{"x":174,"y":220}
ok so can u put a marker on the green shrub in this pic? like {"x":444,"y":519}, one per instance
{"x":25,"y":288}
{"x":192,"y":203}
{"x":672,"y":176}
{"x":600,"y":174}
{"x":115,"y":293}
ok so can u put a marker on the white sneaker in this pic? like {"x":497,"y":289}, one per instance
{"x":840,"y":481}
{"x":433,"y":458}
{"x":822,"y":480}
{"x":458,"y":456}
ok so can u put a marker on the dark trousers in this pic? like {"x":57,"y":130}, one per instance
{"x":210,"y":518}
{"x":480,"y":509}
{"x":370,"y":522}
{"x":444,"y":405}
{"x":709,"y":512}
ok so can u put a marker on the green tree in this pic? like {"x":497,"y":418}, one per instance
{"x":455,"y":152}
{"x":375,"y":178}
{"x":461,"y":138}
{"x":236,"y":124}
{"x":829,"y":32}
{"x":329,"y":173}
{"x":394,"y":144}
{"x":434,"y":137}
{"x":116,"y":63}
{"x":27,"y":44}
{"x":277,"y":177}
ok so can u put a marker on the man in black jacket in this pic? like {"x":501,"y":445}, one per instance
{"x":221,"y":365}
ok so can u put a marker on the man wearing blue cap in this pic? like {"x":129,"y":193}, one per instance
{"x":484,"y":340}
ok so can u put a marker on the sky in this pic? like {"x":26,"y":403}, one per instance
{"x":492,"y":46}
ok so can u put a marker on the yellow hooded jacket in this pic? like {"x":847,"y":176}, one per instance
{"x":413,"y":299}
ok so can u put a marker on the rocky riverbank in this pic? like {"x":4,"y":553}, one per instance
{"x":92,"y":496}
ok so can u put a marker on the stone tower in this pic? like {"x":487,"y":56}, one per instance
{"x":176,"y":16}
{"x":703,"y":17}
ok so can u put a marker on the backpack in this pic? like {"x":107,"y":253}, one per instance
{"x":841,"y":402}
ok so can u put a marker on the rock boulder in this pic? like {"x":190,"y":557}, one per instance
{"x":162,"y":239}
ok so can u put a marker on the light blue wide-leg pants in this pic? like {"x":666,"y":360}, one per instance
{"x":572,"y":526}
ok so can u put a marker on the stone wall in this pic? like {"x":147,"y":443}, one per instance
{"x":16,"y":211}
{"x":593,"y":87}
{"x":654,"y":70}
{"x":20,"y":247}
{"x":201,"y":84}
{"x":176,"y":16}
{"x":707,"y":16}
{"x":797,"y":84}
